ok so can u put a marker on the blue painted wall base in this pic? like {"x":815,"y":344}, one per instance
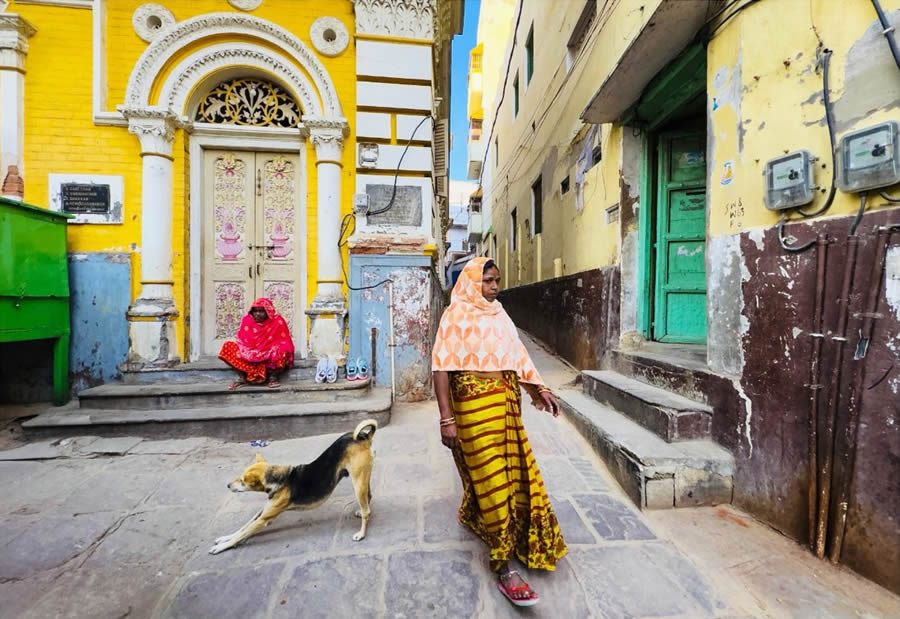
{"x":416,"y":298}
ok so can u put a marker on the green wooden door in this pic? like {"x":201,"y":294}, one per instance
{"x":680,"y":284}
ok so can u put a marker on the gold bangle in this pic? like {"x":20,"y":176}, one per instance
{"x":448,"y":422}
{"x":544,"y":390}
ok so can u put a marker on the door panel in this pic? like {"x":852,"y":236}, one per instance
{"x":281,"y":249}
{"x":251,"y":245}
{"x":228,"y":227}
{"x":680,"y":290}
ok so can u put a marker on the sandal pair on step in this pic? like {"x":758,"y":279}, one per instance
{"x":508,"y":591}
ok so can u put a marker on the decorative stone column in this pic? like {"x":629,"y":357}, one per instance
{"x":151,"y":326}
{"x":328,"y":310}
{"x":14,"y":34}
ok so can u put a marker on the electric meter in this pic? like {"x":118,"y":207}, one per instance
{"x":789,"y":180}
{"x":870,"y":158}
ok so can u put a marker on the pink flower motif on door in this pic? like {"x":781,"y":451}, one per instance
{"x":230,"y":308}
{"x":282,"y":296}
{"x":278,"y":204}
{"x":230,"y":211}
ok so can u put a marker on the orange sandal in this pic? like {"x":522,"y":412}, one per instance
{"x":507,"y":591}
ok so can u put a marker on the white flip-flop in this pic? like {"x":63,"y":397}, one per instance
{"x":322,"y":370}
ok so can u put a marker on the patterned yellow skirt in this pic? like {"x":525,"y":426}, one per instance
{"x":504,"y":501}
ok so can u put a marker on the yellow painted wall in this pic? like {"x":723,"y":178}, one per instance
{"x":767,"y":104}
{"x":762,"y":71}
{"x":554,"y":101}
{"x":60,"y":136}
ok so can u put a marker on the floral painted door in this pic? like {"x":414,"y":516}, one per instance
{"x":251,"y":244}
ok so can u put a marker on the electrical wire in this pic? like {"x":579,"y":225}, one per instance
{"x":888,"y":32}
{"x":781,"y":239}
{"x":600,"y":20}
{"x":390,"y":203}
{"x":888,"y":197}
{"x":350,"y":219}
{"x":503,"y":90}
{"x":829,"y":121}
{"x":712,"y":31}
{"x":862,"y":207}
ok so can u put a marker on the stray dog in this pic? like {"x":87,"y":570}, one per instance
{"x":308,"y":485}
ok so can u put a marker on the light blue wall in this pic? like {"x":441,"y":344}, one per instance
{"x":413,"y":296}
{"x":100,"y":289}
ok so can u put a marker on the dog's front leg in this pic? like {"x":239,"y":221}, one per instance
{"x":274,"y":506}
{"x":225,"y":538}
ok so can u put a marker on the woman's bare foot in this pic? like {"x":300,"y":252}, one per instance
{"x":237,"y":385}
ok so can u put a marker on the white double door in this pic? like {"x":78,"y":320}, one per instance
{"x":252,"y":242}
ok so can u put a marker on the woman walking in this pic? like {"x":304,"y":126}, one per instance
{"x":479,"y":362}
{"x":264,"y":347}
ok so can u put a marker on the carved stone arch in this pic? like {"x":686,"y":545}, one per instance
{"x":159,"y":53}
{"x":204,"y":64}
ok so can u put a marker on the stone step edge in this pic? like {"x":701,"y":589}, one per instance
{"x":653,"y":473}
{"x":646,"y":392}
{"x":378,"y":400}
{"x":670,"y":416}
{"x":119,"y":390}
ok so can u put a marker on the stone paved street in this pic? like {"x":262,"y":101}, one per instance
{"x":121,"y":527}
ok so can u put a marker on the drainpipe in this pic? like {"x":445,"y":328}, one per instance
{"x":838,"y":338}
{"x":814,"y":386}
{"x":848,"y":448}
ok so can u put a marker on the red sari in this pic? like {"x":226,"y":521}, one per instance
{"x":260,"y":345}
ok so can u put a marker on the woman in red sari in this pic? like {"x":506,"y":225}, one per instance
{"x":264,"y":348}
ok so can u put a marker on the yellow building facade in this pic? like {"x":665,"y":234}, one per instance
{"x":638,"y":214}
{"x":218,"y":146}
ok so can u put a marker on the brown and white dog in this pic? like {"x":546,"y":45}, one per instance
{"x":307,"y":486}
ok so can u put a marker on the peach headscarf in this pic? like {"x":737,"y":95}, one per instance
{"x":477,"y":334}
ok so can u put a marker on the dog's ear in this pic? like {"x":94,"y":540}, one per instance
{"x":259,"y":457}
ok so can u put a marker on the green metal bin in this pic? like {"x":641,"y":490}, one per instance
{"x":34,"y":283}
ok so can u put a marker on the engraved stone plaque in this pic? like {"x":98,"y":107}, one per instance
{"x":406,"y":209}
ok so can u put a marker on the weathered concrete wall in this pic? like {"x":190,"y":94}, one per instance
{"x":100,"y":287}
{"x":768,"y":431}
{"x":412,"y":282}
{"x":577,"y":315}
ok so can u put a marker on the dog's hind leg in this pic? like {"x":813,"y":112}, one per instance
{"x":363,"y":496}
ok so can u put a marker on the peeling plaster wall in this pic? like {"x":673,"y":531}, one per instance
{"x":99,"y":285}
{"x":414,"y":302}
{"x":576,"y":315}
{"x":725,"y":321}
{"x":760,"y":297}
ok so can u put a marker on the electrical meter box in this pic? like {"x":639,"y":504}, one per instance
{"x":870,"y":158}
{"x":789,"y":180}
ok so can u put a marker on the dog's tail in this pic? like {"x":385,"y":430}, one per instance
{"x":365,"y":430}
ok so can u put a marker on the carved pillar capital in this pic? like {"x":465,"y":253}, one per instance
{"x":14,"y":34}
{"x":155,"y":128}
{"x":327,"y":136}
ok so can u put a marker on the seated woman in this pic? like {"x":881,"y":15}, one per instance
{"x":264,"y":348}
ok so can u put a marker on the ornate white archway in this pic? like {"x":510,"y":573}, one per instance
{"x":159,"y":53}
{"x":154,"y":123}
